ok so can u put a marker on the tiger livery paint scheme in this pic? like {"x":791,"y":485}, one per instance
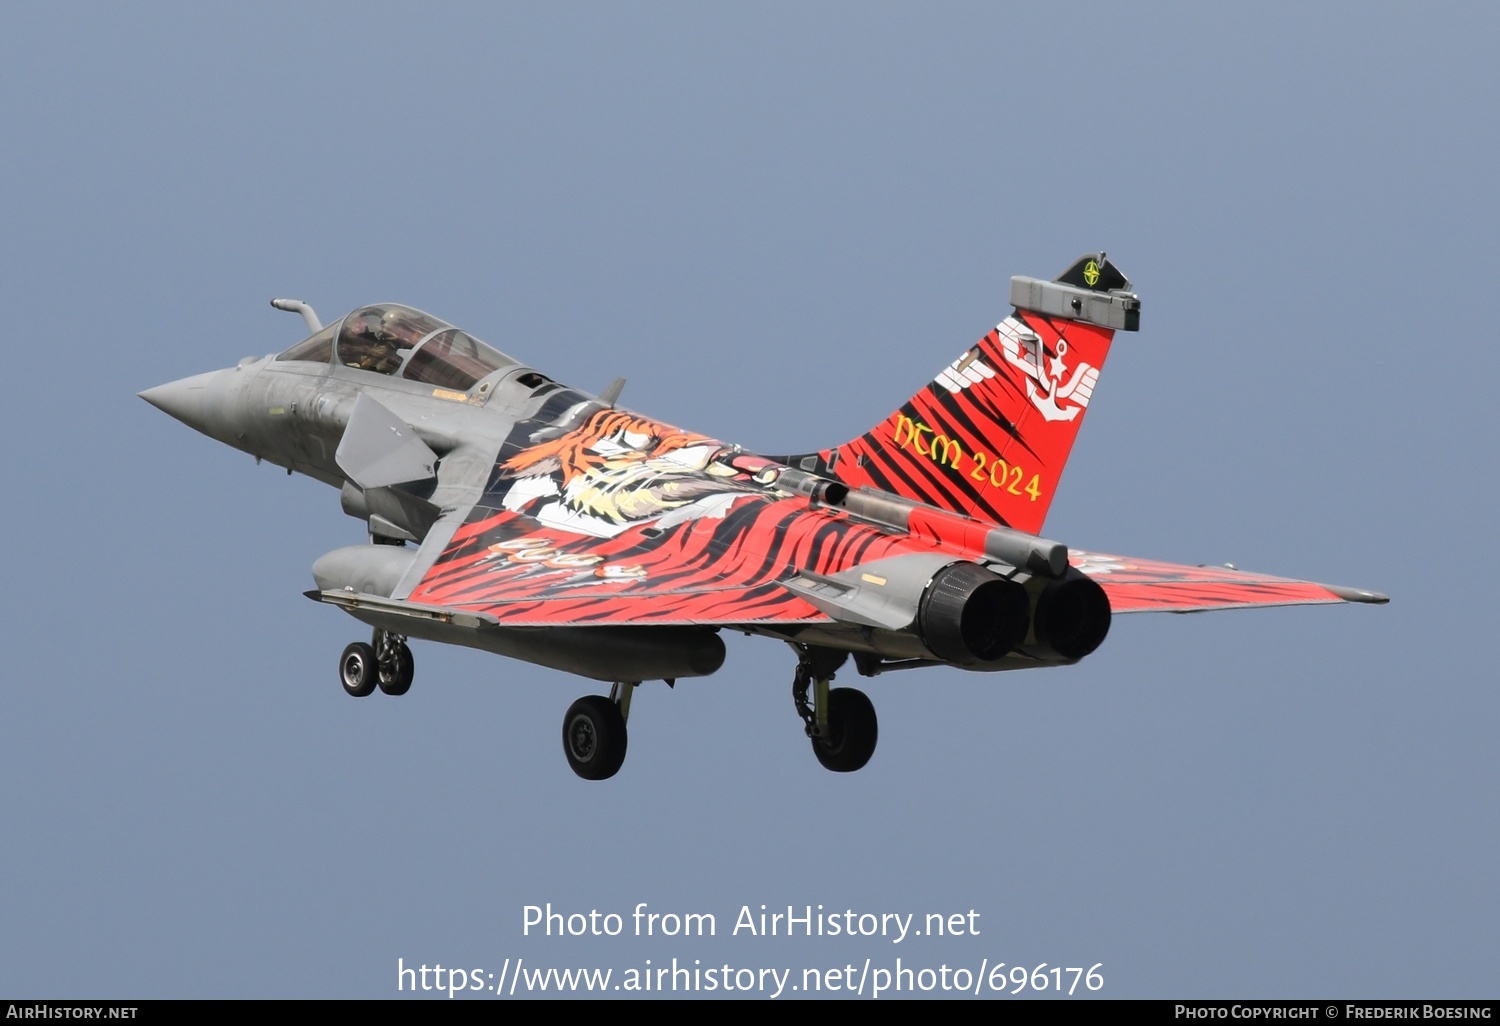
{"x":618,"y":469}
{"x":629,"y":521}
{"x":626,"y":520}
{"x":553,"y":527}
{"x":989,"y":436}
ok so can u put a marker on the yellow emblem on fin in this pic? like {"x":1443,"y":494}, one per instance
{"x":1091,"y":273}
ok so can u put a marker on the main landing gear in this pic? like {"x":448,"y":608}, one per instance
{"x":840,"y":722}
{"x":594,"y":735}
{"x":385,"y":663}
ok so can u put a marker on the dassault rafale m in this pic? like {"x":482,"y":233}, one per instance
{"x":514,"y":514}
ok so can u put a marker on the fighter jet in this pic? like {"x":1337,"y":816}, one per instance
{"x":511,"y":513}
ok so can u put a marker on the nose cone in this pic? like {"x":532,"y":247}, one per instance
{"x":189,"y":400}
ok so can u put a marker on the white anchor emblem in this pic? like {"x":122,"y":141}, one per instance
{"x":1044,"y":374}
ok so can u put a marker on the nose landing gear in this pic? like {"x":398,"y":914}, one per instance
{"x":385,"y":663}
{"x":396,"y":667}
{"x":357,"y":669}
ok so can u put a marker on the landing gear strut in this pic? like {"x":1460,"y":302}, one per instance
{"x":396,"y":667}
{"x":594,"y":737}
{"x":840,"y":722}
{"x":385,"y":663}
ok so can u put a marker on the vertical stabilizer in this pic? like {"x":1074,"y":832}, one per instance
{"x":989,"y":436}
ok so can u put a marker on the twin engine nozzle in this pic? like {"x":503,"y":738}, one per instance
{"x":964,"y":612}
{"x":968,"y":614}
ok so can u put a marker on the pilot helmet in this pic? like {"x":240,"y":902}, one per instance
{"x":367,"y":322}
{"x":397,"y":326}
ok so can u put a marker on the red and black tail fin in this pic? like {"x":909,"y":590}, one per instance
{"x":990,"y":435}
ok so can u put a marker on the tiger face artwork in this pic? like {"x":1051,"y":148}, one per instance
{"x":619,"y":470}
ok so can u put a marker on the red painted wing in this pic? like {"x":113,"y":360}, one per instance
{"x":1143,"y":585}
{"x":709,"y":570}
{"x":625,"y":520}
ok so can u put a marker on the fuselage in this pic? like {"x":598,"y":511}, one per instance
{"x":481,"y":414}
{"x":291,"y":409}
{"x":510,"y":513}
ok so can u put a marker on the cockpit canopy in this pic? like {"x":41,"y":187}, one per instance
{"x":399,"y":341}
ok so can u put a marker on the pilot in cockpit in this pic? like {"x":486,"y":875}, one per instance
{"x":403,"y":328}
{"x":368,"y":345}
{"x":377,"y":338}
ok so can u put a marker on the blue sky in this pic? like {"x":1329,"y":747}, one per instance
{"x":777,"y":222}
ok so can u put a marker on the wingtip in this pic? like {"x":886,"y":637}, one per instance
{"x":1358,"y":595}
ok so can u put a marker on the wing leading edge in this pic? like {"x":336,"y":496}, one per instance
{"x":515,"y":584}
{"x":720,"y":570}
{"x":621,"y":520}
{"x":1143,"y":585}
{"x":748,"y":567}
